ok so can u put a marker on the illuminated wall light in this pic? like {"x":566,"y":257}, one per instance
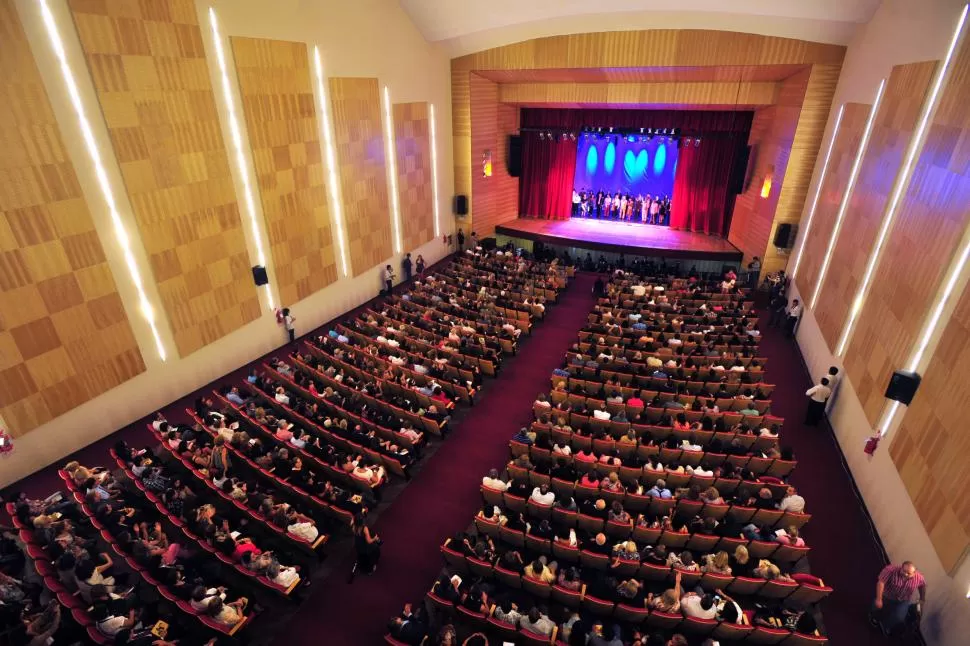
{"x":766,"y":185}
{"x":332,"y":182}
{"x":392,"y":171}
{"x":434,"y":172}
{"x":144,"y":305}
{"x":237,"y":144}
{"x":818,"y":192}
{"x":847,"y":196}
{"x":902,"y":183}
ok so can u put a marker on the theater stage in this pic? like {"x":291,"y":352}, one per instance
{"x":622,"y":237}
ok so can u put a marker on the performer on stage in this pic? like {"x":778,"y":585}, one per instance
{"x":655,"y":211}
{"x":584,"y":203}
{"x":607,"y":205}
{"x":599,"y":204}
{"x":644,"y":208}
{"x":623,"y":207}
{"x":575,"y":202}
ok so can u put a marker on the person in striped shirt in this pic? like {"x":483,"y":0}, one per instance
{"x":895,"y":589}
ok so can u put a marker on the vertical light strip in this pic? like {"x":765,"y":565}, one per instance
{"x":818,"y":192}
{"x":332,"y":183}
{"x":392,"y":171}
{"x":147,"y":311}
{"x":847,"y":196}
{"x":237,"y":144}
{"x":434,"y":172}
{"x":902,"y":183}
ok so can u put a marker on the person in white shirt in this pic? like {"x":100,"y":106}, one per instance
{"x":387,"y":276}
{"x":543,"y":496}
{"x":792,"y":501}
{"x":602,"y":413}
{"x":695,"y":605}
{"x":492,"y":481}
{"x":794,"y":312}
{"x":639,"y":290}
{"x":289,"y":323}
{"x":834,"y":378}
{"x":818,"y":396}
{"x":281,"y":396}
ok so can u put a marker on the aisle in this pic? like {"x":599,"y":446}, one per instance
{"x":844,"y":552}
{"x":444,"y":496}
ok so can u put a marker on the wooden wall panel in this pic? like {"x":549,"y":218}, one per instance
{"x":836,"y":179}
{"x":668,"y":94}
{"x":773,"y":131}
{"x":494,"y":199}
{"x":359,"y":140}
{"x":412,"y":145}
{"x":655,"y":47}
{"x":151,"y":77}
{"x":277,"y":98}
{"x":931,"y":445}
{"x":892,"y":130}
{"x":64,"y":334}
{"x":930,"y":222}
{"x":461,"y":134}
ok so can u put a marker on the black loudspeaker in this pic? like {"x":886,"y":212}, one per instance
{"x":461,"y":204}
{"x":902,"y":386}
{"x":739,"y":171}
{"x":259,"y":275}
{"x":782,"y":235}
{"x":514,"y":160}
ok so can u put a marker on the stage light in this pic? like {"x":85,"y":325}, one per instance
{"x":847,"y":195}
{"x":697,"y":142}
{"x":107,"y":193}
{"x":391,"y":164}
{"x":687,"y":142}
{"x":818,"y":191}
{"x":641,"y":131}
{"x":611,"y":128}
{"x":902,"y":183}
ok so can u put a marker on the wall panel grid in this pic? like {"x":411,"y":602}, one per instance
{"x":834,"y":183}
{"x":150,"y":74}
{"x":277,"y":98}
{"x":412,"y":146}
{"x":894,"y":125}
{"x":359,"y":141}
{"x":64,"y":334}
{"x":675,"y":93}
{"x":929,"y":224}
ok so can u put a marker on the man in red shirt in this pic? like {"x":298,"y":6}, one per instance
{"x":894,"y":594}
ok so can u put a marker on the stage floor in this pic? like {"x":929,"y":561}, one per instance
{"x":622,"y":237}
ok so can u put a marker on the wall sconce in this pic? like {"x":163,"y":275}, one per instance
{"x":766,"y":185}
{"x":487,"y":163}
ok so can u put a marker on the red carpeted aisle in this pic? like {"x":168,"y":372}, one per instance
{"x":444,"y":496}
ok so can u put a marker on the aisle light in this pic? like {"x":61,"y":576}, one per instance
{"x":237,"y":144}
{"x":434,"y":172}
{"x":818,"y":192}
{"x":846,"y":197}
{"x":121,"y":235}
{"x":332,"y":183}
{"x":392,"y":171}
{"x":902,"y":183}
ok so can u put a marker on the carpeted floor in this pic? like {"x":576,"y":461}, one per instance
{"x":444,"y":494}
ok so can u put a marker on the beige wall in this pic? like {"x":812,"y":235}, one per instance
{"x":364,"y":38}
{"x":901,"y":32}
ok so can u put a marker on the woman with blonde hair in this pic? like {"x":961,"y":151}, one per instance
{"x":669,"y":601}
{"x":740,"y":562}
{"x":717,"y":563}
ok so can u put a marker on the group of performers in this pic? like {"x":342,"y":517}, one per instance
{"x":602,"y":205}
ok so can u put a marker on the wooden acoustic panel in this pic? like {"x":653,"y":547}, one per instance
{"x":892,"y":130}
{"x":277,"y":99}
{"x":359,"y":139}
{"x":931,"y":445}
{"x":619,"y":94}
{"x":836,"y":179}
{"x":148,"y":64}
{"x":653,"y":74}
{"x":412,"y":146}
{"x":494,"y":199}
{"x":64,"y":334}
{"x":930,"y":223}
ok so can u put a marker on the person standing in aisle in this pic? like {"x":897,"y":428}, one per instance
{"x":289,"y":324}
{"x":461,"y":240}
{"x":794,"y":313}
{"x":388,"y":277}
{"x":406,"y":267}
{"x":818,"y":396}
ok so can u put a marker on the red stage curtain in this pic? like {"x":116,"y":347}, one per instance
{"x":548,"y":169}
{"x":700,"y":201}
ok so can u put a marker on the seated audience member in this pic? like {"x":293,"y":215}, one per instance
{"x":537,"y":622}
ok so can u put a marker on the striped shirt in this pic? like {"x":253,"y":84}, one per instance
{"x":899,"y":587}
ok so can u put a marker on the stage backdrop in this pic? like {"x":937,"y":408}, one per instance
{"x":631,"y":165}
{"x":699,"y":200}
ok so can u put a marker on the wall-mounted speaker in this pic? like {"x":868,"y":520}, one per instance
{"x":514,"y":160}
{"x":902,"y":386}
{"x":461,"y":204}
{"x":259,"y":276}
{"x":739,"y":171}
{"x":783,"y":235}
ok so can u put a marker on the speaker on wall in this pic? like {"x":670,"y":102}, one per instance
{"x":739,"y":171}
{"x":514,"y":160}
{"x":259,"y":275}
{"x":902,"y":386}
{"x":461,"y":204}
{"x":783,"y":235}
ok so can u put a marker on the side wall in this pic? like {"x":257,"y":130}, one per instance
{"x":413,"y":69}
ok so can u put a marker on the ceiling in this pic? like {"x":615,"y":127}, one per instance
{"x":465,"y":26}
{"x":726,"y":73}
